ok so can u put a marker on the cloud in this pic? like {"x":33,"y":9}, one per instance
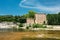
{"x":36,"y":4}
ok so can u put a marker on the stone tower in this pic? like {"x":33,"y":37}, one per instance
{"x":40,"y":18}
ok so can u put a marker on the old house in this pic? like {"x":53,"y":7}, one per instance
{"x":30,"y":21}
{"x":39,"y":18}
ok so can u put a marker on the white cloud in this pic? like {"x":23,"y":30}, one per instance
{"x":36,"y":5}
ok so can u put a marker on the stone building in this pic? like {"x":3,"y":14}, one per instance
{"x":39,"y":18}
{"x":30,"y":21}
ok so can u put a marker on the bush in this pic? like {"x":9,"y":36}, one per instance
{"x":38,"y":26}
{"x":27,"y":27}
{"x":21,"y":25}
{"x":35,"y":25}
{"x":22,"y":20}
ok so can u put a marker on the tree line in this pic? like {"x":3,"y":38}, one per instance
{"x":52,"y":19}
{"x":20,"y":19}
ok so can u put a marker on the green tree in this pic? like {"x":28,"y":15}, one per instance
{"x":53,"y":19}
{"x":31,"y":14}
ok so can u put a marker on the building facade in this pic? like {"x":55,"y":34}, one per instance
{"x":30,"y":21}
{"x":39,"y":19}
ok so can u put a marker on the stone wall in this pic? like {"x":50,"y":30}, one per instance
{"x":40,"y":18}
{"x":30,"y":21}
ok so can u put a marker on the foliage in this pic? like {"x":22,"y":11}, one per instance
{"x":22,"y":20}
{"x":53,"y":19}
{"x":35,"y":25}
{"x":31,"y":14}
{"x":10,"y":18}
{"x":16,"y":18}
{"x":27,"y":27}
{"x":20,"y":25}
{"x":6,"y":18}
{"x":38,"y":26}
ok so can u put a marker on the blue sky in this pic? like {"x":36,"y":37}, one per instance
{"x":20,"y":7}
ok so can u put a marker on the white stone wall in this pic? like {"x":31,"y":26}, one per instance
{"x":7,"y":25}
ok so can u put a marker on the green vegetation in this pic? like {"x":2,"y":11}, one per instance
{"x":31,"y":14}
{"x":9,"y":18}
{"x":38,"y":26}
{"x":20,"y":25}
{"x":27,"y":27}
{"x":21,"y":19}
{"x":53,"y":19}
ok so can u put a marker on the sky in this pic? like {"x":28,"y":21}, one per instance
{"x":20,"y":7}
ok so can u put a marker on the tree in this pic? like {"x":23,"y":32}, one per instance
{"x":31,"y":14}
{"x":22,"y":20}
{"x":53,"y":19}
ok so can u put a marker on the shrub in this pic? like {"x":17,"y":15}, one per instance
{"x":27,"y":27}
{"x":22,"y":20}
{"x":21,"y":25}
{"x":35,"y":25}
{"x":44,"y":26}
{"x":38,"y":26}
